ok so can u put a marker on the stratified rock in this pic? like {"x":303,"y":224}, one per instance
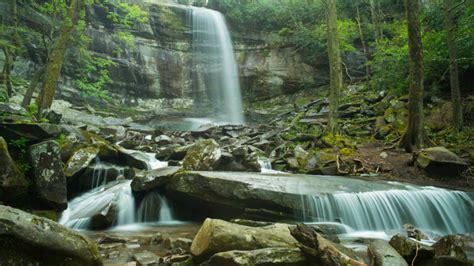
{"x":265,"y":256}
{"x":79,"y":161}
{"x":216,"y":236}
{"x":382,"y":254}
{"x":409,"y":248}
{"x":31,"y":131}
{"x":450,"y":245}
{"x":12,"y":182}
{"x":439,"y":161}
{"x":50,"y":181}
{"x":27,"y":239}
{"x":203,"y":156}
{"x":148,"y":180}
{"x":322,"y":251}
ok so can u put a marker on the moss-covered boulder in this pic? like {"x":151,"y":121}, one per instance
{"x":26,"y":239}
{"x":450,"y":245}
{"x":12,"y":181}
{"x":204,"y":156}
{"x":439,"y":161}
{"x":50,"y":181}
{"x":410,"y":248}
{"x":79,"y":161}
{"x":264,"y":256}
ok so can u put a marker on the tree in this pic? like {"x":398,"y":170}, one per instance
{"x":412,"y":139}
{"x":56,"y":59}
{"x":10,"y":48}
{"x":335,"y":69}
{"x":453,"y":66}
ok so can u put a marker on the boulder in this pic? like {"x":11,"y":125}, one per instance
{"x":382,"y":254}
{"x":149,"y":180}
{"x":216,"y":236}
{"x":146,"y":258}
{"x":450,"y":245}
{"x":264,"y":256}
{"x":50,"y":181}
{"x":163,"y":140}
{"x":439,"y":161}
{"x":12,"y":181}
{"x":409,"y":248}
{"x":27,"y":239}
{"x":34,"y":132}
{"x":203,"y":156}
{"x":79,"y":161}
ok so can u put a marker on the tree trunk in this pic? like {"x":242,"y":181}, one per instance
{"x":364,"y":47}
{"x":412,"y":140}
{"x":56,"y":59}
{"x":335,"y":69}
{"x":453,"y":68}
{"x":31,"y":89}
{"x":375,"y":20}
{"x":6,"y":71}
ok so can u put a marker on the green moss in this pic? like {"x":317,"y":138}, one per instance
{"x":347,"y":151}
{"x":48,"y":214}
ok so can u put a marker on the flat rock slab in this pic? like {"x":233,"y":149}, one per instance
{"x":32,"y":131}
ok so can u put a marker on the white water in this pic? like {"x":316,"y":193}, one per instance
{"x":155,"y":208}
{"x":215,"y":65}
{"x":266,"y":166}
{"x":101,"y":171}
{"x":428,"y":208}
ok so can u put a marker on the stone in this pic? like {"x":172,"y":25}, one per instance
{"x":182,"y":243}
{"x":12,"y":181}
{"x":50,"y":181}
{"x":382,"y":254}
{"x":79,"y":161}
{"x":204,"y":156}
{"x":146,"y":258}
{"x":27,"y":239}
{"x":440,"y":162}
{"x":216,"y":236}
{"x":149,"y":180}
{"x":34,"y":132}
{"x":51,"y":116}
{"x":450,"y":245}
{"x":409,"y":248}
{"x":163,"y":140}
{"x":265,"y":256}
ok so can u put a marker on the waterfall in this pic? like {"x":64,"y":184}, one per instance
{"x":101,"y":172}
{"x":215,"y":66}
{"x":155,"y":208}
{"x":428,"y":208}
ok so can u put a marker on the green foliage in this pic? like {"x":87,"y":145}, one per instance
{"x":19,"y":143}
{"x":61,"y":139}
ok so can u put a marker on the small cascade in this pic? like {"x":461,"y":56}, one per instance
{"x":155,"y":208}
{"x":113,"y":196}
{"x":215,"y":67}
{"x":104,"y":172}
{"x":428,"y":208}
{"x":266,"y":167}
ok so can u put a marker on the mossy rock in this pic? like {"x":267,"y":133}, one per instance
{"x":13,"y":184}
{"x":203,"y":156}
{"x":440,"y":162}
{"x":49,"y":214}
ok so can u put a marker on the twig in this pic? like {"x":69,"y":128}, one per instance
{"x":416,"y":255}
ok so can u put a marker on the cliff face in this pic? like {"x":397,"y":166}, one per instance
{"x":157,"y":72}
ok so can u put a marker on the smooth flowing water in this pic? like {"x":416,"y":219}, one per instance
{"x":430,"y":208}
{"x":214,"y":64}
{"x":155,"y":208}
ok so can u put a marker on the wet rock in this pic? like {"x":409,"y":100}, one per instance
{"x":204,"y":156}
{"x":451,"y":245}
{"x":382,"y":254}
{"x":410,"y":248}
{"x":146,"y":258}
{"x":27,"y":239}
{"x":216,"y":236}
{"x":439,"y":161}
{"x":111,"y":239}
{"x":173,"y":152}
{"x":149,"y":180}
{"x":34,"y":132}
{"x":12,"y":182}
{"x":251,"y":223}
{"x":265,"y":256}
{"x":50,"y":181}
{"x":163,"y":140}
{"x":135,"y":159}
{"x":156,"y":239}
{"x":79,"y":161}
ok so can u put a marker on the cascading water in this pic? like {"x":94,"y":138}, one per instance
{"x":155,"y":207}
{"x":214,"y":64}
{"x":428,"y":208}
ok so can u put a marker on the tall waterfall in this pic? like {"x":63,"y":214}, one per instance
{"x":215,"y":68}
{"x":429,"y":208}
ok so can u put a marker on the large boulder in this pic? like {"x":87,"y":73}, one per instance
{"x":27,"y":239}
{"x":12,"y":181}
{"x":216,"y":236}
{"x":264,"y":256}
{"x":203,"y":156}
{"x":439,"y":161}
{"x":382,"y":254}
{"x":450,"y":245}
{"x":50,"y":181}
{"x":34,"y":132}
{"x":409,"y":248}
{"x":149,"y":180}
{"x":79,"y":161}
